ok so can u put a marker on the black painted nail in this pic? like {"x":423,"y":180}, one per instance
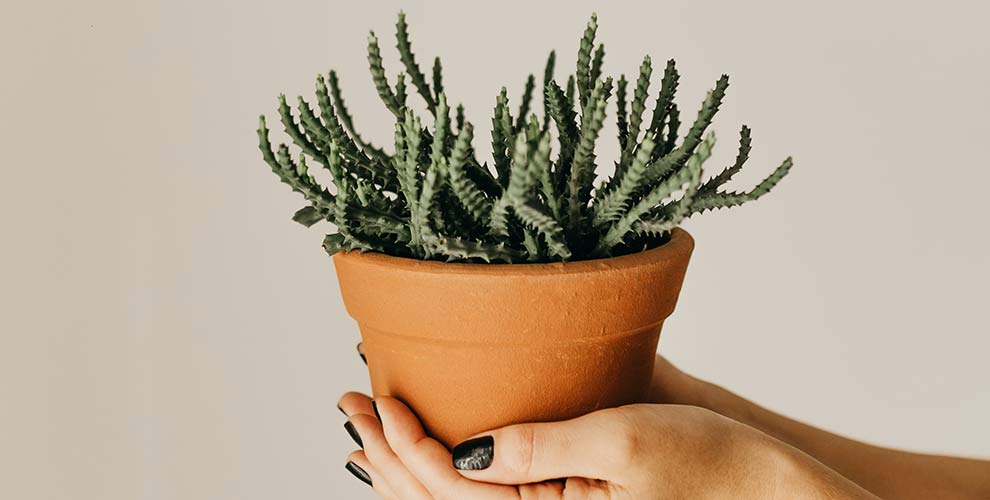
{"x":359,"y":473}
{"x":342,"y":411}
{"x":349,"y":427}
{"x":374,"y":406}
{"x":474,"y":454}
{"x":361,"y":353}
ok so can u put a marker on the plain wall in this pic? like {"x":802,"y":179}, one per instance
{"x":168,"y":333}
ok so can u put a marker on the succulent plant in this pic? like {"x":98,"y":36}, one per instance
{"x":431,"y":198}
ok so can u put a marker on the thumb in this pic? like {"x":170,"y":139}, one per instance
{"x":595,"y":446}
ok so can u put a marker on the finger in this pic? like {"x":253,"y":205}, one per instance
{"x":428,"y":460}
{"x":384,"y":460}
{"x":567,"y":489}
{"x":355,"y":403}
{"x":595,"y":446}
{"x":360,"y":351}
{"x":360,"y":467}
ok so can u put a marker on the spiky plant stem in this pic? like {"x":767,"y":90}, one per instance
{"x":430,"y":198}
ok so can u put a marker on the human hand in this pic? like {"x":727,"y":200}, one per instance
{"x":636,"y":452}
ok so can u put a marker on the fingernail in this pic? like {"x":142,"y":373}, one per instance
{"x":374,"y":406}
{"x":349,"y":427}
{"x":359,"y":473}
{"x":342,"y":411}
{"x":361,"y":353}
{"x":474,"y":454}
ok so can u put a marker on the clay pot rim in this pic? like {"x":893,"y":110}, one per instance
{"x":680,"y":242}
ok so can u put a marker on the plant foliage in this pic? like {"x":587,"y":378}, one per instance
{"x":538,"y":201}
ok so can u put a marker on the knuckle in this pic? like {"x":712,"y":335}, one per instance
{"x":457,"y":488}
{"x":627,"y":442}
{"x":364,"y":423}
{"x":356,"y":456}
{"x":547,"y":490}
{"x":374,"y":444}
{"x":523,"y":450}
{"x":418,"y":448}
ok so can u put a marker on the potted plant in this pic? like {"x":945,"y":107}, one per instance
{"x":521,"y":289}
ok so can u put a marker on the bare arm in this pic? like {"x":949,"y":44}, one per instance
{"x":885,"y":472}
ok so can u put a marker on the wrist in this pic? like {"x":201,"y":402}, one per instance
{"x":728,"y":404}
{"x":796,"y":476}
{"x":791,"y":476}
{"x":757,"y":466}
{"x":715,"y":398}
{"x":779,"y":470}
{"x":672,"y":386}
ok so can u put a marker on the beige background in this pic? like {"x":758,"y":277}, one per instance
{"x":168,"y":333}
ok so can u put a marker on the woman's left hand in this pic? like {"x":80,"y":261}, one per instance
{"x":637,"y":452}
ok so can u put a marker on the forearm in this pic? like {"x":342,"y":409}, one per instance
{"x":885,"y":472}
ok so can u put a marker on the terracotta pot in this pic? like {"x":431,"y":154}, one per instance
{"x":471,"y":347}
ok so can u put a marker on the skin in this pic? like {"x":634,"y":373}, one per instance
{"x":697,"y":441}
{"x":885,"y":472}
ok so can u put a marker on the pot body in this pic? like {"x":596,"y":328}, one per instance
{"x":472,"y":347}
